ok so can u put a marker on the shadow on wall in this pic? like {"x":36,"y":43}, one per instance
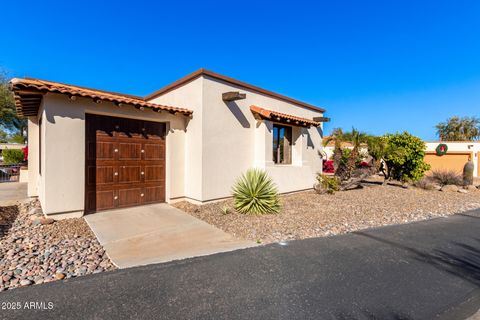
{"x":237,"y":112}
{"x":172,"y":125}
{"x":309,"y":138}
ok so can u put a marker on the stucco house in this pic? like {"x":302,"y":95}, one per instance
{"x":457,"y":154}
{"x":93,"y":150}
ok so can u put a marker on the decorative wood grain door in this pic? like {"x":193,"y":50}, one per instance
{"x":125,"y":162}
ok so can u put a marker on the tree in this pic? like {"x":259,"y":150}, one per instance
{"x":344,"y":168}
{"x":404,"y":157}
{"x":337,"y":137}
{"x":9,"y":120}
{"x":3,"y":136}
{"x":459,"y":129}
{"x":356,"y":138}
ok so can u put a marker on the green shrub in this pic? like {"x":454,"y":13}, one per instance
{"x":12,"y":156}
{"x":404,"y":157}
{"x":328,"y":184}
{"x":446,"y":177}
{"x":255,"y":193}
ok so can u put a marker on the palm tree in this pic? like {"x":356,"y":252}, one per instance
{"x":459,"y":129}
{"x":356,"y":138}
{"x":338,"y":138}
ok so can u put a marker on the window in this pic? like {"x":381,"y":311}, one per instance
{"x":282,"y":144}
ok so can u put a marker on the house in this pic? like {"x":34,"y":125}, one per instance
{"x":93,"y":150}
{"x":329,"y":148}
{"x":456,"y":154}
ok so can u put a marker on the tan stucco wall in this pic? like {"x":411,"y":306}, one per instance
{"x":33,"y":155}
{"x":234,"y":142}
{"x":189,"y":96}
{"x":64,"y":149}
{"x":458,"y":153}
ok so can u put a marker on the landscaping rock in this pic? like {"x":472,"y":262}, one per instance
{"x":59,"y":276}
{"x":462,"y":191}
{"x":308,"y":214}
{"x":45,"y":221}
{"x":32,"y":252}
{"x":24,"y":283}
{"x":471,"y":188}
{"x":449,"y":188}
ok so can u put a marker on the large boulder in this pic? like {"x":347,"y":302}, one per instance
{"x":449,"y":188}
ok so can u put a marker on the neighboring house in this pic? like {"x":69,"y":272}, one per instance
{"x":458,"y":153}
{"x":330,"y":147}
{"x":92,"y":150}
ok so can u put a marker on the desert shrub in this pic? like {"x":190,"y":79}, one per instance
{"x":426,"y":183}
{"x":255,"y":193}
{"x":404,"y":157}
{"x":446,"y":177}
{"x":327,"y":184}
{"x":12,"y":156}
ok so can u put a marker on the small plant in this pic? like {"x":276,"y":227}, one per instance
{"x":425,"y":183}
{"x":225,"y":210}
{"x":12,"y":156}
{"x":255,"y":193}
{"x":446,"y":177}
{"x":327,"y":184}
{"x":468,"y":173}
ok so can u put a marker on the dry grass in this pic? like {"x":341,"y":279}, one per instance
{"x":308,"y":214}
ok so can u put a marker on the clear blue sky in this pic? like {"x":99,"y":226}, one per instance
{"x":381,"y":66}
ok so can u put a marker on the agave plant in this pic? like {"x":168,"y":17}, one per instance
{"x":255,"y":193}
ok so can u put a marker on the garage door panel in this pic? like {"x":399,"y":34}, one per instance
{"x":154,"y":151}
{"x":100,"y":200}
{"x":129,"y":151}
{"x":154,"y":173}
{"x":154,"y":194}
{"x":100,"y":175}
{"x":129,"y":174}
{"x":130,"y":197}
{"x":125,"y":162}
{"x":104,"y":150}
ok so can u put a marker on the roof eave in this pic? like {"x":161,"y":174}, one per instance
{"x":192,"y":76}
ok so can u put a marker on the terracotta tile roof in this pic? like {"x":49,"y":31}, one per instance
{"x":203,"y":72}
{"x":28,"y":94}
{"x":282,"y":117}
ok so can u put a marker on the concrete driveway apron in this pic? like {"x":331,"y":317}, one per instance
{"x":157,"y":233}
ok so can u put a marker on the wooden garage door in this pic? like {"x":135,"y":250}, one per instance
{"x":449,"y":161}
{"x":125,"y":162}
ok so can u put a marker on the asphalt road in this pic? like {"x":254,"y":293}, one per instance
{"x":424,"y":270}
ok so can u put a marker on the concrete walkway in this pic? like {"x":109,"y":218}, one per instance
{"x":11,"y":192}
{"x":157,"y":233}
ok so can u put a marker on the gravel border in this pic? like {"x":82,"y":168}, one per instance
{"x":307,"y":214}
{"x":35,"y":250}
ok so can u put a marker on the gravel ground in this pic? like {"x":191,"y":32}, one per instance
{"x":307,"y":214}
{"x":35,"y":254}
